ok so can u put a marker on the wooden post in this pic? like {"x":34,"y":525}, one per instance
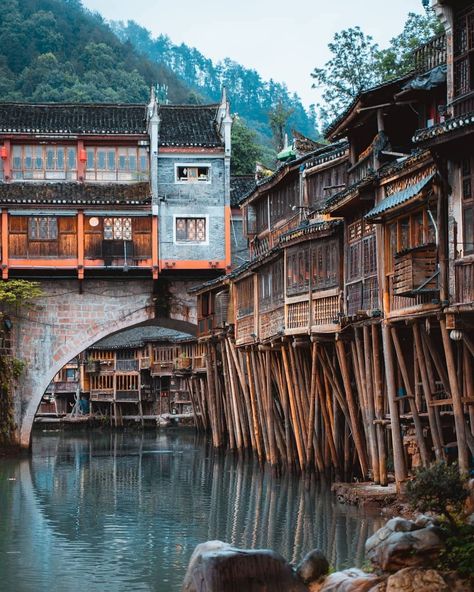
{"x":379,"y":407}
{"x":256,"y":427}
{"x":457,"y":402}
{"x":411,"y":399}
{"x":291,"y":396}
{"x":437,"y":440}
{"x":312,"y":406}
{"x":269,"y":401}
{"x":356,"y":434}
{"x":398,"y":456}
{"x":370,"y":401}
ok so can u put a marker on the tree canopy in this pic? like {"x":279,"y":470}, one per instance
{"x":357,"y":62}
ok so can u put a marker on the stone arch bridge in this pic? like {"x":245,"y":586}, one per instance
{"x":65,"y":321}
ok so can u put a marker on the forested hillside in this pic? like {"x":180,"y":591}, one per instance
{"x":55,"y":50}
{"x":251,"y":97}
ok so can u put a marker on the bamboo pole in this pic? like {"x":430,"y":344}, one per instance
{"x":229,"y":407}
{"x":291,"y":396}
{"x":256,"y":426}
{"x":397,"y":445}
{"x":269,"y":401}
{"x":353,"y":415}
{"x":312,"y":406}
{"x":370,"y":400}
{"x":379,"y":408}
{"x":257,"y":374}
{"x":436,"y":435}
{"x":425,"y":457}
{"x":457,"y":402}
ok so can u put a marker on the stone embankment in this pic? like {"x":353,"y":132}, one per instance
{"x":402,"y":555}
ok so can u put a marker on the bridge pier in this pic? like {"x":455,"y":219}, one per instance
{"x":64,"y":322}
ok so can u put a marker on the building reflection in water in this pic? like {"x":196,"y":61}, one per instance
{"x":127,"y":509}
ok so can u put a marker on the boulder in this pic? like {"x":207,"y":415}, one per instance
{"x":413,"y":579}
{"x":401,"y":543}
{"x":350,"y":580}
{"x":217,"y":567}
{"x":313,"y":565}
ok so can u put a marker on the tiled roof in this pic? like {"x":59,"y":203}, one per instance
{"x":140,"y":336}
{"x":71,"y":193}
{"x":309,"y":228}
{"x":399,"y":198}
{"x":450,"y":125}
{"x":240,"y":187}
{"x":189,"y":125}
{"x":72,"y":118}
{"x":337,"y":198}
{"x":180,"y":125}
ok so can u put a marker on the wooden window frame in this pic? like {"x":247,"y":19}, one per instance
{"x":38,"y":168}
{"x":107,"y":173}
{"x":120,"y":228}
{"x":196,"y":177}
{"x":188,"y":218}
{"x":467,"y":201}
{"x":34,"y":227}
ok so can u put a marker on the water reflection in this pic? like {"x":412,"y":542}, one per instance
{"x":124,"y":511}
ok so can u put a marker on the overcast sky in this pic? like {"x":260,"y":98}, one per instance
{"x":281,"y":40}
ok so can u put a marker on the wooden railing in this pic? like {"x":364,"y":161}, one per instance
{"x":362,"y":168}
{"x":245,"y":330}
{"x":205,"y":325}
{"x":259,"y":247}
{"x":464,"y":278}
{"x":298,"y":315}
{"x":102,"y":395}
{"x":271,"y":323}
{"x":362,"y":296}
{"x":430,"y":54}
{"x":463,"y":105}
{"x":402,"y":302}
{"x":127,"y":365}
{"x":415,"y":271}
{"x":326,"y":309}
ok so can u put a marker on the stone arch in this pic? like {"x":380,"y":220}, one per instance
{"x":65,"y":321}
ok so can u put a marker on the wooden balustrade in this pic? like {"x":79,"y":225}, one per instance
{"x":463,"y":105}
{"x":271,"y":323}
{"x":298,"y":316}
{"x":245,"y":330}
{"x":362,"y":168}
{"x":127,"y":365}
{"x":326,"y":309}
{"x":464,"y":279}
{"x":415,"y":271}
{"x":398,"y":303}
{"x":430,"y":54}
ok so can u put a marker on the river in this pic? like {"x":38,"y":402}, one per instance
{"x":123,"y":511}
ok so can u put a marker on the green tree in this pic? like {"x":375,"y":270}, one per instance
{"x":278,"y":117}
{"x":245,"y":149}
{"x":397,"y":59}
{"x":352,"y":68}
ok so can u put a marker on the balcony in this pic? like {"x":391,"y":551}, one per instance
{"x":463,"y":105}
{"x":430,"y":54}
{"x":415,"y":271}
{"x":326,"y":309}
{"x":362,"y":296}
{"x":127,"y":365}
{"x":464,"y":279}
{"x":363,"y":167}
{"x":271,"y":323}
{"x":260,"y":246}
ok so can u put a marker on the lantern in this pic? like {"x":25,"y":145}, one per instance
{"x":82,"y":155}
{"x":3,"y":152}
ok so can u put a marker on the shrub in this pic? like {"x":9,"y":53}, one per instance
{"x":439,"y":488}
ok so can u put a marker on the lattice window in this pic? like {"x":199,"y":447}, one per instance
{"x":297,"y":266}
{"x":191,"y":230}
{"x":42,"y":228}
{"x":116,"y":163}
{"x":467,"y":171}
{"x":245,"y":297}
{"x":117,"y":229}
{"x":43,"y":162}
{"x":464,"y":52}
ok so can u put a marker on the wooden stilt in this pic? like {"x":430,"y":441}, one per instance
{"x":397,"y":445}
{"x":379,"y":407}
{"x":435,"y":433}
{"x":457,"y":402}
{"x":255,"y":423}
{"x":291,"y":396}
{"x":356,"y":433}
{"x":425,"y":457}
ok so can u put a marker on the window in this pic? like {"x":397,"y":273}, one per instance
{"x":113,"y":163}
{"x":464,"y":53}
{"x":297,"y":270}
{"x":44,"y":162}
{"x":192,"y":230}
{"x":117,"y":229}
{"x":467,"y":172}
{"x":42,"y":228}
{"x":325,"y":264}
{"x":193,"y":174}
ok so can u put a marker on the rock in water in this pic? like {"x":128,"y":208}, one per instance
{"x":401,"y":543}
{"x":413,"y":579}
{"x":350,"y":580}
{"x":217,"y":567}
{"x":313,"y":566}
